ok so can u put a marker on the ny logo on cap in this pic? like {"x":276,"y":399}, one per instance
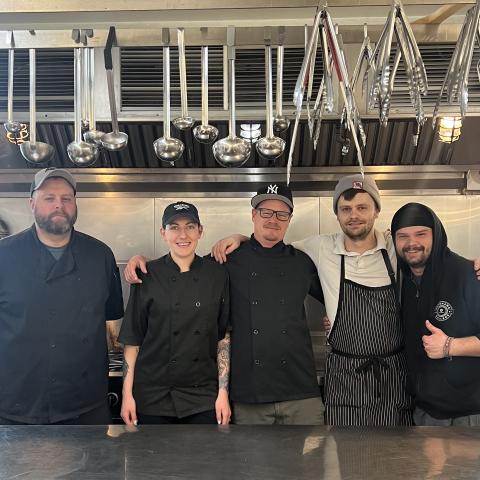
{"x":357,"y":185}
{"x":181,"y":206}
{"x":273,"y":189}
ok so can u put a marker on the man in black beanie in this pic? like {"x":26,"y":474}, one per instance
{"x":441,"y":311}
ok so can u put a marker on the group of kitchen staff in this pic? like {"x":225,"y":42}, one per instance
{"x":203,"y":337}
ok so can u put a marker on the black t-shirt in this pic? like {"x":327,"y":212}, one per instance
{"x":271,"y":349}
{"x":53,"y":349}
{"x":177,"y":319}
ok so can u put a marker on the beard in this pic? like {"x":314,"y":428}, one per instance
{"x":360,"y":234}
{"x":55,"y":226}
{"x":419,"y":261}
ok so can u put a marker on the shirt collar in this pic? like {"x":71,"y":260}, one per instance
{"x":197,"y":261}
{"x":340,"y":245}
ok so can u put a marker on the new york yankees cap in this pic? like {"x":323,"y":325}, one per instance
{"x":51,"y":172}
{"x":273,"y":191}
{"x":177,"y":210}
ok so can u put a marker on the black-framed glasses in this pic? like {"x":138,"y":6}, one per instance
{"x":281,"y":215}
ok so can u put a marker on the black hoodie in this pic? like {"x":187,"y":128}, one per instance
{"x":448,"y":296}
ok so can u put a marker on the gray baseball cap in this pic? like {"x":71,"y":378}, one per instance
{"x":360,"y":182}
{"x":51,"y":172}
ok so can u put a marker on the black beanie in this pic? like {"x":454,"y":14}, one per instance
{"x":412,"y":215}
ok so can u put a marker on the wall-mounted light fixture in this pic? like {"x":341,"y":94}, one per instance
{"x":449,"y":129}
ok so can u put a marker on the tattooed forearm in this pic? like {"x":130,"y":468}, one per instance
{"x":125,"y":368}
{"x":223,"y":360}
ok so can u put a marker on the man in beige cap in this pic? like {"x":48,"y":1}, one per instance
{"x":366,"y":370}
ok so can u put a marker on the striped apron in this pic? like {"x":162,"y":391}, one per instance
{"x":366,"y":369}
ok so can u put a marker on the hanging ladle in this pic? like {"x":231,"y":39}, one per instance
{"x":10,"y":125}
{"x":231,"y":151}
{"x":114,"y":140}
{"x":80,"y":153}
{"x":205,"y":133}
{"x":184,"y":122}
{"x":92,"y":135}
{"x":269,"y":147}
{"x":280,"y":122}
{"x":166,"y":148}
{"x":33,"y":151}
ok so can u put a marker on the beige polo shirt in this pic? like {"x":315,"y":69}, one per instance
{"x":366,"y":269}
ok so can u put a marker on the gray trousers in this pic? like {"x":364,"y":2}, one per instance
{"x":308,"y":411}
{"x":422,"y":418}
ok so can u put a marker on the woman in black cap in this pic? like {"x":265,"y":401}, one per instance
{"x":177,"y":347}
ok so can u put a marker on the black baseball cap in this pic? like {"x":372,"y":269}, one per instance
{"x":51,"y":172}
{"x":178,"y":210}
{"x":273,"y":191}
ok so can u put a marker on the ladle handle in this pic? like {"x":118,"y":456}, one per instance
{"x":11,"y":66}
{"x":204,"y":85}
{"x":166,"y":92}
{"x":33,"y":107}
{"x":85,"y":90}
{"x":78,"y":95}
{"x":91,"y":87}
{"x":231,"y":79}
{"x":107,"y":55}
{"x":279,"y":94}
{"x":269,"y":93}
{"x":183,"y":71}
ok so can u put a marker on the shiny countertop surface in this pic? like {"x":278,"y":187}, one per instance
{"x":237,"y":452}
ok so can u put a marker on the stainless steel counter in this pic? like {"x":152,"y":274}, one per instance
{"x":237,"y":452}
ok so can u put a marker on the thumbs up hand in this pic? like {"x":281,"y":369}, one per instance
{"x":435,"y":342}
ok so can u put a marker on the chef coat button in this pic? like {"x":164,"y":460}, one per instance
{"x":173,"y":361}
{"x":196,"y":332}
{"x":52,"y":345}
{"x":174,"y":279}
{"x":282,"y":274}
{"x":195,"y":359}
{"x":53,"y":380}
{"x":196,"y":385}
{"x":254,"y":302}
{"x":283,"y":362}
{"x":282,"y":301}
{"x":197,"y":304}
{"x":254,"y":274}
{"x":257,"y":362}
{"x":284,"y":331}
{"x":255,"y":331}
{"x":175,"y":333}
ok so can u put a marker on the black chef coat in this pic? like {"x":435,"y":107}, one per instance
{"x":271,"y":349}
{"x":53,"y":350}
{"x":177,"y":319}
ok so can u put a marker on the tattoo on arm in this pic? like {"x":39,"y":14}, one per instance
{"x":223,"y":360}
{"x":125,"y":368}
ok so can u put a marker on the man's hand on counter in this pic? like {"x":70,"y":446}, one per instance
{"x":130,"y":273}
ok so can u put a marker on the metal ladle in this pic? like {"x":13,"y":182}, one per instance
{"x":205,"y":133}
{"x":80,"y":153}
{"x":184,"y":122}
{"x":231,"y":151}
{"x":269,"y":147}
{"x":93,"y":135}
{"x":33,"y":151}
{"x":166,"y":148}
{"x":280,"y":122}
{"x":10,"y":125}
{"x":114,"y":140}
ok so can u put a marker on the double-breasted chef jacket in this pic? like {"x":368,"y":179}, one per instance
{"x":53,"y":349}
{"x":271,"y":349}
{"x":177,"y":319}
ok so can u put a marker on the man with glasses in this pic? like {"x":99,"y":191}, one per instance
{"x":272,"y":376}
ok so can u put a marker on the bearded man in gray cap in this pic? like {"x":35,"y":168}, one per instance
{"x":366,"y":370}
{"x":57,"y":288}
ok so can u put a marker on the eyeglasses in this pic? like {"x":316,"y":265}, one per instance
{"x":267,"y":213}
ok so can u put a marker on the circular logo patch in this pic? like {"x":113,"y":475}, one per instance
{"x":443,"y":311}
